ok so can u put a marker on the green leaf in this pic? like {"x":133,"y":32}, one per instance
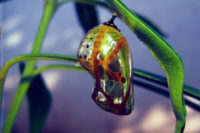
{"x":165,"y":55}
{"x":151,"y":24}
{"x":87,"y":16}
{"x":39,"y":102}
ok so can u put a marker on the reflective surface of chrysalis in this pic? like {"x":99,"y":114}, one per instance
{"x":105,"y":54}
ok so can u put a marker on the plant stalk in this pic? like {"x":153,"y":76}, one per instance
{"x":48,"y":12}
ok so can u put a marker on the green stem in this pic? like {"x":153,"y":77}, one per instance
{"x":139,"y":73}
{"x":48,"y":12}
{"x":58,"y":66}
{"x":165,"y":55}
{"x":28,"y":57}
{"x":18,"y":59}
{"x":188,"y":90}
{"x":193,"y":92}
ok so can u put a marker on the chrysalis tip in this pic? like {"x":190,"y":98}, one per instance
{"x":111,"y":21}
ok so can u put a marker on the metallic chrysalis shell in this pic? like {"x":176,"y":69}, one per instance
{"x":105,"y":54}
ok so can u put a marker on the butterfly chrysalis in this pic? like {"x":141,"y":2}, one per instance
{"x":105,"y":54}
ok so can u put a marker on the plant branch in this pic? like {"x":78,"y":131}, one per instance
{"x":28,"y":57}
{"x":48,"y":12}
{"x":58,"y":66}
{"x":188,"y":90}
{"x":136,"y":72}
{"x":164,"y":54}
{"x":164,"y":92}
{"x":139,"y":73}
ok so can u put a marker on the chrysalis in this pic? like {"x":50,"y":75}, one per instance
{"x":105,"y":54}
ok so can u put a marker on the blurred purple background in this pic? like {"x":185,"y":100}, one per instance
{"x":73,"y":110}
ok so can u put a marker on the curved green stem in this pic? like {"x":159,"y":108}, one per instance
{"x":21,"y":58}
{"x":188,"y":90}
{"x":28,"y":57}
{"x":139,"y":73}
{"x":18,"y":59}
{"x":193,"y":92}
{"x":165,"y":55}
{"x":58,"y":66}
{"x":48,"y":12}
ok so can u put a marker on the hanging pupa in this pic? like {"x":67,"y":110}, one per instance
{"x":105,"y":54}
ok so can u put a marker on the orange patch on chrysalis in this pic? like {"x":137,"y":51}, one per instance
{"x":105,"y":63}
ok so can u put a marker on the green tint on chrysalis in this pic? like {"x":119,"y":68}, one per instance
{"x":105,"y":54}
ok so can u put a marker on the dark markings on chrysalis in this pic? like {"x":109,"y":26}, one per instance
{"x":105,"y":54}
